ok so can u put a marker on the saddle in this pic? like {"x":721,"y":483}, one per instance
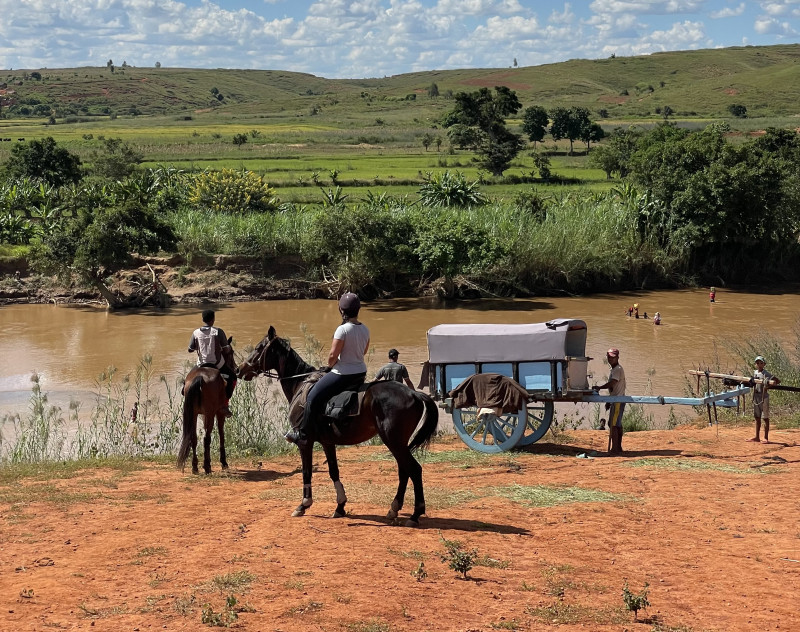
{"x":338,"y":408}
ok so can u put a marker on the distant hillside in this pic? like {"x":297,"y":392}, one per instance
{"x":766,"y":80}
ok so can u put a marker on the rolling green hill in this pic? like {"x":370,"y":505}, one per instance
{"x":702,"y":84}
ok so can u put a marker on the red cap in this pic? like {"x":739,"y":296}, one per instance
{"x":614,"y":353}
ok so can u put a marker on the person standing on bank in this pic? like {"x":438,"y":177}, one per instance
{"x":394,"y":370}
{"x":616,"y":386}
{"x":346,"y":366}
{"x":214,"y":350}
{"x":761,"y":397}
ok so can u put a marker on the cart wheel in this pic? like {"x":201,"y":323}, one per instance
{"x":540,"y":416}
{"x":489,"y":433}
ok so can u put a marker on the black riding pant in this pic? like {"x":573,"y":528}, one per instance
{"x":329,"y":385}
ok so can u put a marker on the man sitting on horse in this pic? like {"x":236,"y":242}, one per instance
{"x":214,"y":350}
{"x":346,"y":369}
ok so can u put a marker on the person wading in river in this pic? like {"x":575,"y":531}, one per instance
{"x":616,"y":386}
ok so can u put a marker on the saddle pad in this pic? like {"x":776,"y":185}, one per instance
{"x":342,"y":405}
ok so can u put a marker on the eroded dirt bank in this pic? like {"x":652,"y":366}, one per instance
{"x":707,"y":519}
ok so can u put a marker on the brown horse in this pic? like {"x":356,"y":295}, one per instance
{"x":203,"y":394}
{"x":389,"y":409}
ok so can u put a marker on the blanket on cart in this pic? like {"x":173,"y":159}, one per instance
{"x":490,"y":390}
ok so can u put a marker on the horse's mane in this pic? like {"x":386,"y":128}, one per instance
{"x":301,"y":366}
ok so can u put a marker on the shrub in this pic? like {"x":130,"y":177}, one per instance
{"x":230,"y":191}
{"x":449,"y":189}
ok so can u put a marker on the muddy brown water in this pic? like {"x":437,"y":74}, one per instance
{"x":70,"y":345}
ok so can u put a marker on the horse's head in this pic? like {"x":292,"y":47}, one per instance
{"x":266,"y":356}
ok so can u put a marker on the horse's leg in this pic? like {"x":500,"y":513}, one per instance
{"x":195,"y":469}
{"x":306,"y":454}
{"x":209,"y":426}
{"x":399,"y":498}
{"x":333,"y":470}
{"x":223,"y":459}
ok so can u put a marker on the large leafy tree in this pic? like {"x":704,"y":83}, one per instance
{"x":100,"y":241}
{"x":534,"y":123}
{"x":115,"y":159}
{"x":486,"y":111}
{"x":45,"y":160}
{"x":569,"y":123}
{"x":729,"y":204}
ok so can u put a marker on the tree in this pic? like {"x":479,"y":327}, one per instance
{"x":158,"y":64}
{"x":427,"y":140}
{"x":569,"y":123}
{"x":534,"y":123}
{"x":614,"y":155}
{"x":99,"y":241}
{"x":592,"y":133}
{"x":485,"y":112}
{"x":116,"y":159}
{"x":433,"y":91}
{"x":666,"y":112}
{"x":738,"y":110}
{"x":44,"y":159}
{"x":463,"y":136}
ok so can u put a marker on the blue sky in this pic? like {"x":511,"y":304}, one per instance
{"x":374,"y":38}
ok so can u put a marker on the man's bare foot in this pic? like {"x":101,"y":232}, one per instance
{"x":755,"y":440}
{"x":766,"y":441}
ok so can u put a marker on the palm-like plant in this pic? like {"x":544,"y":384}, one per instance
{"x":449,"y":189}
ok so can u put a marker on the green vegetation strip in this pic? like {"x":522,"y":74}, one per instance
{"x":695,"y":465}
{"x":545,"y":496}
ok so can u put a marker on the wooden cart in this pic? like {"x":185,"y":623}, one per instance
{"x":547,"y":359}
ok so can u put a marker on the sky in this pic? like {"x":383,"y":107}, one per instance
{"x":374,"y":38}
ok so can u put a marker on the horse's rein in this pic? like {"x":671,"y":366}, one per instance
{"x":275,"y":376}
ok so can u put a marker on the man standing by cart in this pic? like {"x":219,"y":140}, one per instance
{"x":616,"y":386}
{"x":761,"y":397}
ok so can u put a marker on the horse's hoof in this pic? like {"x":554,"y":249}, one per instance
{"x":339,"y":514}
{"x":411,"y":523}
{"x":195,"y":470}
{"x":300,"y":511}
{"x":392,"y":514}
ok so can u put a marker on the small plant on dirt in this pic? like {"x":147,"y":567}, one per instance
{"x":223,"y":619}
{"x":459,"y":560}
{"x":635,"y":601}
{"x":419,"y":573}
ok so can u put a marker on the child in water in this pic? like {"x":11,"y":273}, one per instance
{"x":657,"y":318}
{"x":712,"y":294}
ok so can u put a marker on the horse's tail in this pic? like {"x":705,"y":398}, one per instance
{"x":191,"y":401}
{"x":430,"y":421}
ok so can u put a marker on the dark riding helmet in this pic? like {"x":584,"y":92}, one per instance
{"x":349,"y":304}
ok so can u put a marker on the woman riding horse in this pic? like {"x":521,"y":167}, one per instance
{"x":389,"y":409}
{"x":346,"y":366}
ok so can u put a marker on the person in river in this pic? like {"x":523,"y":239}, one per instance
{"x":616,"y":386}
{"x":346,"y":368}
{"x":657,"y":318}
{"x":394,"y":370}
{"x":761,"y":397}
{"x":214,"y":350}
{"x":712,"y":295}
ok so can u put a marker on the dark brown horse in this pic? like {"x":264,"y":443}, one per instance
{"x":389,"y":409}
{"x":203,"y":394}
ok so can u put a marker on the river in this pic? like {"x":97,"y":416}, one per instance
{"x":70,"y":345}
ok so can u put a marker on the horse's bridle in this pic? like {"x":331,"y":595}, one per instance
{"x":262,"y":370}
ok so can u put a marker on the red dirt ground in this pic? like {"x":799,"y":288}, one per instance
{"x":710,"y":521}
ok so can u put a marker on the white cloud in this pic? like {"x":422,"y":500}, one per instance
{"x":771,"y":26}
{"x":654,"y":7}
{"x":565,"y":17}
{"x":728,"y":12}
{"x":781,"y":7}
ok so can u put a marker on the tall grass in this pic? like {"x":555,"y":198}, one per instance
{"x":113,"y":430}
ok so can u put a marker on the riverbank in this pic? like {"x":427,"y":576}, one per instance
{"x":702,"y":519}
{"x":220,"y":278}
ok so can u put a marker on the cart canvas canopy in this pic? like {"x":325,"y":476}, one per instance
{"x":554,"y":340}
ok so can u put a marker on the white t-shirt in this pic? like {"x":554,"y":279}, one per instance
{"x":617,"y":374}
{"x":351,"y":357}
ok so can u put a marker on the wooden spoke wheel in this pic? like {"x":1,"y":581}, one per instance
{"x":540,"y":416}
{"x":490,"y":433}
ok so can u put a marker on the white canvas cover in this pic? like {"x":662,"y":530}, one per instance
{"x":555,"y":340}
